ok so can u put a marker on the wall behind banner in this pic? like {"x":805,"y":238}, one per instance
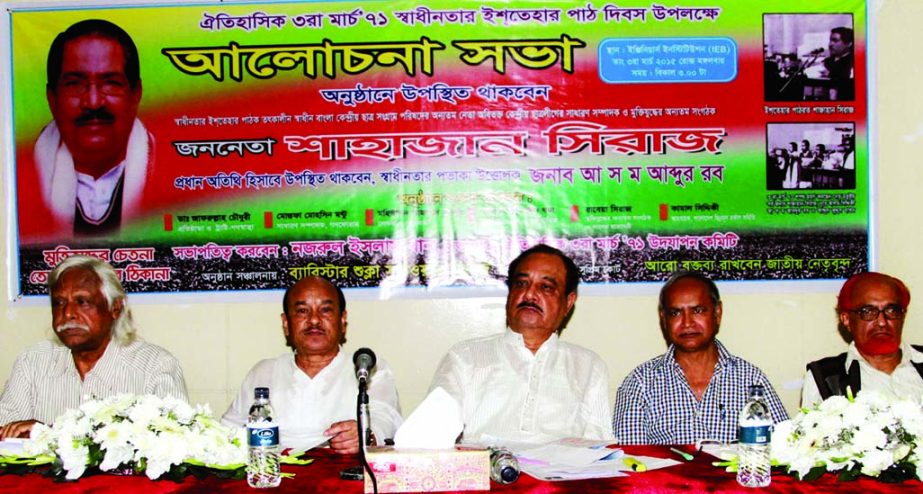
{"x":780,"y":331}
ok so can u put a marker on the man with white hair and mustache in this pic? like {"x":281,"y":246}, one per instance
{"x":96,"y":354}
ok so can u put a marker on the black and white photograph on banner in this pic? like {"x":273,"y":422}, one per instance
{"x":808,"y":57}
{"x":811,"y":156}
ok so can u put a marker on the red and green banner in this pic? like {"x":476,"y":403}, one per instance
{"x":392,"y":145}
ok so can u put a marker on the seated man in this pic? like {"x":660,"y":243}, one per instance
{"x":871,"y":308}
{"x":97,"y":354}
{"x":313,"y":390}
{"x":524,"y":384}
{"x":696,"y":390}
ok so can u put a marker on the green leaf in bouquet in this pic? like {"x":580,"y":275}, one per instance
{"x":850,"y":474}
{"x":232,"y":466}
{"x":815,"y":473}
{"x":178,"y":473}
{"x":898,"y":473}
{"x":42,"y":460}
{"x":56,"y":471}
{"x":238,"y":474}
{"x":14,"y":460}
{"x":96,"y":454}
{"x":21,"y":465}
{"x":850,"y":395}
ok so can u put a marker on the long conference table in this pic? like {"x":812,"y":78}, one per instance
{"x":322,"y":476}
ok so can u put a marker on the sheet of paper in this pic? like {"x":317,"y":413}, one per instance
{"x":571,"y":459}
{"x":434,"y":424}
{"x":575,"y":459}
{"x":580,"y":442}
{"x":12,"y":447}
{"x":721,"y":451}
{"x":305,"y":443}
{"x":562,"y":456}
{"x":599,"y":470}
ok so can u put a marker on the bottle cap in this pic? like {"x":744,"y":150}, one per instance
{"x":509,"y":475}
{"x":261,"y":393}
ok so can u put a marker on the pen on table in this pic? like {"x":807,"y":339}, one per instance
{"x":686,"y":456}
{"x":634,"y":464}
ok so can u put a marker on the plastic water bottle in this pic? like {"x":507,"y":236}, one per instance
{"x":504,"y":467}
{"x":263,"y":439}
{"x":753,"y":437}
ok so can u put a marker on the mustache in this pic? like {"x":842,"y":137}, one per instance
{"x":883,"y":334}
{"x":71,"y":325}
{"x":524,"y":304}
{"x":94,"y":115}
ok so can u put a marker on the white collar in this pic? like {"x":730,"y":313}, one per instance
{"x":298,"y":373}
{"x":516,"y":340}
{"x":909,"y":355}
{"x":95,"y":194}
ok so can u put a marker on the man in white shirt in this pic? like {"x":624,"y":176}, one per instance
{"x":525,"y":385}
{"x":94,"y":159}
{"x":96,"y":354}
{"x":313,"y":390}
{"x":872,"y":307}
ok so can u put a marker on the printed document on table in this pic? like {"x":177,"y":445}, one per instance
{"x":573,"y":460}
{"x":599,"y":470}
{"x":568,"y":460}
{"x":561,"y":455}
{"x":723,"y":451}
{"x":11,"y":447}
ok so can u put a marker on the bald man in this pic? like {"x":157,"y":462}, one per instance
{"x":313,"y":389}
{"x":871,"y":307}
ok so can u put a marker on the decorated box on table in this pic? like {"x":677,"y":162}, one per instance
{"x":427,"y":470}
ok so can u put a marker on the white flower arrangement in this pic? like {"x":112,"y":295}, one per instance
{"x":144,"y":434}
{"x":871,"y":434}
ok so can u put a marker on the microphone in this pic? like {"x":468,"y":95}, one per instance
{"x":364,"y":359}
{"x":816,"y":51}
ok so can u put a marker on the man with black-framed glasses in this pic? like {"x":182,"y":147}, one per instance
{"x":871,"y":308}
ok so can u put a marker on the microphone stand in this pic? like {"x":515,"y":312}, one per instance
{"x":801,"y":68}
{"x":364,"y":359}
{"x":365,"y":430}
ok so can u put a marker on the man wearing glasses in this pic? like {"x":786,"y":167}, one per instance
{"x":94,"y":158}
{"x":871,"y":308}
{"x":695,"y":390}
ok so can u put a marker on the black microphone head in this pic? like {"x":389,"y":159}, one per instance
{"x":364,"y":358}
